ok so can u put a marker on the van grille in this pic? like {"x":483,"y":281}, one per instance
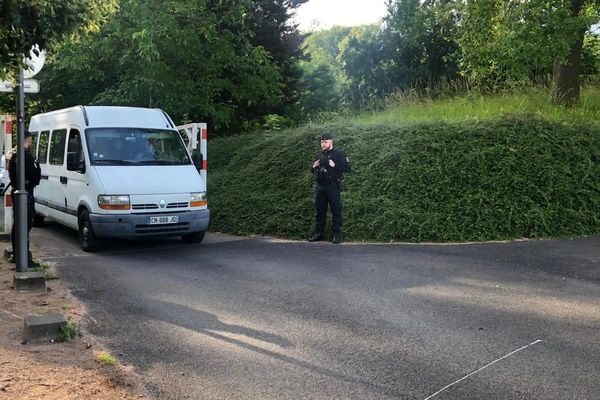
{"x":144,"y":206}
{"x":181,"y":227}
{"x":155,"y":206}
{"x":177,"y":205}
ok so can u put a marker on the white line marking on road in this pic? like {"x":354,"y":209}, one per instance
{"x":482,"y":368}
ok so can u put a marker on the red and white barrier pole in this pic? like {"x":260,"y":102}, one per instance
{"x":8,"y":214}
{"x":204,"y":151}
{"x":197,"y":134}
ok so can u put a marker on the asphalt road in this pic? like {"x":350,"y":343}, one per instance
{"x":263,"y":319}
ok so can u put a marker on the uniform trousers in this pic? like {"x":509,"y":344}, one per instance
{"x":328,"y":193}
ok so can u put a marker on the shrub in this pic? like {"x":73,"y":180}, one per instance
{"x":510,"y":177}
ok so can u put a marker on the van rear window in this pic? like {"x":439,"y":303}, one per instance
{"x":43,"y":147}
{"x":57,"y":147}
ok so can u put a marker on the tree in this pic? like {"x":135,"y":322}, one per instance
{"x":273,"y":30}
{"x":421,"y":41}
{"x":362,"y":57}
{"x":504,"y":41}
{"x":320,"y":89}
{"x":566,"y":71}
{"x":24,"y":23}
{"x":323,"y":47}
{"x":198,"y":63}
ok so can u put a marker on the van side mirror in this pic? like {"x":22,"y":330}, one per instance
{"x":73,"y":164}
{"x":198,"y":159}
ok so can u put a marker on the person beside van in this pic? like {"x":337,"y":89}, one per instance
{"x":33,"y":175}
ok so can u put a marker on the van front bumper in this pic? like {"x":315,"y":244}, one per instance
{"x":138,"y":225}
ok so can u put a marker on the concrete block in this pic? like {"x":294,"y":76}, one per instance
{"x":44,"y":327}
{"x":29,"y":282}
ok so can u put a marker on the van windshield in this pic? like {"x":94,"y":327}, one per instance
{"x":135,"y":146}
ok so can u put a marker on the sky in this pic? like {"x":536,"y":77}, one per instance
{"x":323,"y":14}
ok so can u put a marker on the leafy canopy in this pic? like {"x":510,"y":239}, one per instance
{"x":24,"y":23}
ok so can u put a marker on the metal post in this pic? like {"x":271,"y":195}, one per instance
{"x":21,"y":256}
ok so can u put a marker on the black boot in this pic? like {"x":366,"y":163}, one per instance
{"x":337,"y":238}
{"x":316,"y":237}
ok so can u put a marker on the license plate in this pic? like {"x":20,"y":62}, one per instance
{"x":164,"y":220}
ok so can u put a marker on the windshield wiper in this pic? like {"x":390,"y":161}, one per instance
{"x":115,"y":162}
{"x":160,"y":162}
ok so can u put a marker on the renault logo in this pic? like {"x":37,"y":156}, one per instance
{"x":162,"y":204}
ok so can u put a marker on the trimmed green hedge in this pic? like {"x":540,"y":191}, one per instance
{"x":475,"y":180}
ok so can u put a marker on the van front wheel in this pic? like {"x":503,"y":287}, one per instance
{"x":195,"y":237}
{"x":87,"y":238}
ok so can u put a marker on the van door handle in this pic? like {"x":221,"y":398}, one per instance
{"x":63,"y":179}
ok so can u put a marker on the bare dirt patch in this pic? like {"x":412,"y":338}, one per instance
{"x":53,"y":371}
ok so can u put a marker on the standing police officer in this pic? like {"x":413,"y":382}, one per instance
{"x":328,"y":169}
{"x":33,"y":174}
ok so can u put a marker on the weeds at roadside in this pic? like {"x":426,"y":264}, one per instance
{"x":44,"y":311}
{"x":47,"y":271}
{"x":108,"y":359}
{"x":70,"y":331}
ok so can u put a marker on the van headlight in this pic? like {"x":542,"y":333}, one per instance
{"x":114,"y":202}
{"x":198,"y":199}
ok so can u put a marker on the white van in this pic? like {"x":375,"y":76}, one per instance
{"x":121,"y":172}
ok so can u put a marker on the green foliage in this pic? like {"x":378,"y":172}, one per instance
{"x":276,"y":122}
{"x":70,"y":331}
{"x":323,"y":47}
{"x":213,"y":73}
{"x":273,"y":30}
{"x":321,"y":90}
{"x":47,"y":271}
{"x":415,"y":47}
{"x":505,"y":42}
{"x":362,"y":58}
{"x":108,"y":359}
{"x":323,"y":81}
{"x":590,"y":57}
{"x":27,"y":22}
{"x":420,"y":37}
{"x":532,"y":100}
{"x":509,"y":177}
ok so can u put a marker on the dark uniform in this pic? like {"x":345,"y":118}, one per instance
{"x":33,"y":174}
{"x":328,"y":190}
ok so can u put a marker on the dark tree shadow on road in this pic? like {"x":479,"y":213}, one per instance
{"x":205,"y":322}
{"x":209,"y":324}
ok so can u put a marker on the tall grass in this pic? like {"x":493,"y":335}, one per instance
{"x":532,"y":101}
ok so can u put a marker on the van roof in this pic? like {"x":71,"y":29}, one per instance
{"x":109,"y":117}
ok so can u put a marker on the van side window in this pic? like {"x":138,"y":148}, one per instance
{"x":74,"y":145}
{"x":57,"y":147}
{"x":43,"y":148}
{"x":34,"y":143}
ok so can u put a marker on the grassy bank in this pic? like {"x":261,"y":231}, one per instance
{"x":534,"y":101}
{"x":509,"y":177}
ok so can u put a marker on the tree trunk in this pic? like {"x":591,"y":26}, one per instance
{"x":567,"y":83}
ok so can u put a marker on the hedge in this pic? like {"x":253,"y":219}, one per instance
{"x":477,"y":180}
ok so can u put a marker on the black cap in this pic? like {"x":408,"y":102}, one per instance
{"x":326,"y":136}
{"x":27,"y":134}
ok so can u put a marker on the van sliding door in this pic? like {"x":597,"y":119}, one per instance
{"x":75,"y":184}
